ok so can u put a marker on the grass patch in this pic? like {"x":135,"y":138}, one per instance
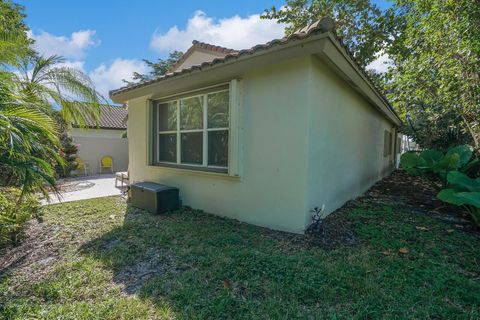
{"x":123,"y":263}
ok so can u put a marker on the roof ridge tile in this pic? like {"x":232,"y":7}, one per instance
{"x":212,"y":47}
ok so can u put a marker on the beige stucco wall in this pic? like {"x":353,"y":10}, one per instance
{"x":198,"y":56}
{"x":346,"y":145}
{"x":274,"y":139}
{"x":307,"y":139}
{"x":96,"y":143}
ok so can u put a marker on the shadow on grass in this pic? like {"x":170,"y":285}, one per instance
{"x":198,"y":264}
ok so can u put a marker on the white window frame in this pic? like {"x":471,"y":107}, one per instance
{"x":205,"y":130}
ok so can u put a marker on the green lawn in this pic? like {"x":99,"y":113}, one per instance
{"x":121,"y":263}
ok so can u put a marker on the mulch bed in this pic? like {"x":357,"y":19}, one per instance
{"x":414,"y":194}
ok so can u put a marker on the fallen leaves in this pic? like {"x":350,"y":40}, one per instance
{"x":421,"y":228}
{"x":389,"y":252}
{"x":227,"y":284}
{"x":239,"y":290}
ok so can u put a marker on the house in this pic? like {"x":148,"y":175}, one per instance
{"x":96,"y":141}
{"x":263,"y":135}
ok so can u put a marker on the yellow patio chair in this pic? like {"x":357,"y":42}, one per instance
{"x":82,"y":166}
{"x":106,"y":164}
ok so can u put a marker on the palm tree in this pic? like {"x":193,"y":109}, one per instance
{"x":28,"y":131}
{"x":31,"y":88}
{"x":28,"y":141}
{"x":47,"y":82}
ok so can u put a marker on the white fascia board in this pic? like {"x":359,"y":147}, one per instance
{"x":336,"y":57}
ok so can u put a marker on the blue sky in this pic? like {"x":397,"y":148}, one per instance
{"x":108,"y":39}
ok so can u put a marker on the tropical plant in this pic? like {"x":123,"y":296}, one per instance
{"x":434,"y":164}
{"x":463,"y":191}
{"x":28,"y":142}
{"x":31,"y":88}
{"x":48,"y":81}
{"x":13,"y":215}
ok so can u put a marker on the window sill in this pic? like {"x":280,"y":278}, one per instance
{"x":196,"y":170}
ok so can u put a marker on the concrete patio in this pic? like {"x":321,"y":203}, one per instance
{"x":89,"y":187}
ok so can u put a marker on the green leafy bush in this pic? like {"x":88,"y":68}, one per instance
{"x":464,"y":191}
{"x":13,"y":215}
{"x":456,"y":169}
{"x":434,"y":163}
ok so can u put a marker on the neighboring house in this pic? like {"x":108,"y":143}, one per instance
{"x":263,"y":135}
{"x":103,"y":139}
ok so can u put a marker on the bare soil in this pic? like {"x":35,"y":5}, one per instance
{"x":36,"y":255}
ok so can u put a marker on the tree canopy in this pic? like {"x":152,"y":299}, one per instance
{"x":14,"y":41}
{"x":360,"y":23}
{"x":434,"y":83}
{"x":158,"y":68}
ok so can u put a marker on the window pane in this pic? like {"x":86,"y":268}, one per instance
{"x":192,"y":147}
{"x":218,"y":109}
{"x":191,"y":113}
{"x":167,"y":147}
{"x":218,"y":148}
{"x":167,"y":116}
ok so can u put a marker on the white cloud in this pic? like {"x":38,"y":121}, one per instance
{"x":381,"y":64}
{"x":110,"y":77}
{"x":79,"y":65}
{"x":234,"y":32}
{"x":73,"y":47}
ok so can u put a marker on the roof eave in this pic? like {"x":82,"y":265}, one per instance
{"x":354,"y":75}
{"x":332,"y":52}
{"x":124,"y":94}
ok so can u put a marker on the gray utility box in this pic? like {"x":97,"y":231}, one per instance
{"x":154,"y":197}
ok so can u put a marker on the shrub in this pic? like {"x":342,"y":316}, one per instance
{"x":68,"y":149}
{"x":13,"y":215}
{"x":456,"y":169}
{"x":464,"y":191}
{"x":434,"y":164}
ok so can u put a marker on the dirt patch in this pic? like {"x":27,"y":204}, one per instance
{"x":133,"y":277}
{"x":334,"y":231}
{"x":36,"y":256}
{"x":415,"y":194}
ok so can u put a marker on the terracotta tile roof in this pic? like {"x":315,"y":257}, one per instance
{"x":111,"y":117}
{"x":211,"y":47}
{"x":221,"y":51}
